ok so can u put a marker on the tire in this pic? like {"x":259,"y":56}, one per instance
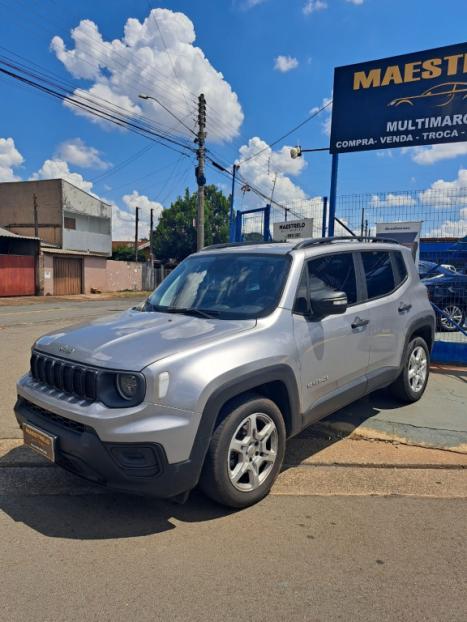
{"x":411,"y":384}
{"x":456,"y":312}
{"x":240,"y":465}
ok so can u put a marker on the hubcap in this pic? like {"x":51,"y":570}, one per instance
{"x":455,"y":313}
{"x":418,"y":367}
{"x":252,"y":452}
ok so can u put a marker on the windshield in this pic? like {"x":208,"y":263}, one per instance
{"x":225,"y":286}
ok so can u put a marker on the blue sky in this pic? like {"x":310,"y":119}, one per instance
{"x":276,"y":58}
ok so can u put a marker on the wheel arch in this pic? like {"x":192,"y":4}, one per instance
{"x":277,"y":383}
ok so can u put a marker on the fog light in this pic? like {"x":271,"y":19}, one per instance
{"x":127,"y":385}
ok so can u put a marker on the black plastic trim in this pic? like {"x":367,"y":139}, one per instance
{"x":83,"y":453}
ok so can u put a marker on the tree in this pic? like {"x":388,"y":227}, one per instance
{"x":175,"y":235}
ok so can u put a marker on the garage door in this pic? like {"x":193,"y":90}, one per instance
{"x":17,"y":275}
{"x":68,"y":275}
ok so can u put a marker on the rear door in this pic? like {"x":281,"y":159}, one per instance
{"x":333,"y":351}
{"x":389,"y":310}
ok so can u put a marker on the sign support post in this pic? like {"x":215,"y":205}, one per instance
{"x":332,"y":194}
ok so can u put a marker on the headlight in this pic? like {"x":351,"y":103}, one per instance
{"x":128,"y":386}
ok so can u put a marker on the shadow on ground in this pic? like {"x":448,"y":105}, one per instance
{"x":85,"y":511}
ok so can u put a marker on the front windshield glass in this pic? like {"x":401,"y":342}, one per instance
{"x":225,"y":286}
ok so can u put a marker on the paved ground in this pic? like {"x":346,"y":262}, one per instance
{"x":104,"y":557}
{"x":353,"y":530}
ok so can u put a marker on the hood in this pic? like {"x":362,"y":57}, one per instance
{"x":134,"y":339}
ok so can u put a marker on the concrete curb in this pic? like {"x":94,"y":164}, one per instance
{"x":406,"y":434}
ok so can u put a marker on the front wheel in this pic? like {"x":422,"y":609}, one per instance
{"x":245,"y":454}
{"x":411,"y":383}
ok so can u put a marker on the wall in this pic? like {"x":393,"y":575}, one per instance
{"x":17,"y":208}
{"x":93,"y":221}
{"x":123,"y":275}
{"x":101,"y":274}
{"x":47,"y":274}
{"x":95,"y":274}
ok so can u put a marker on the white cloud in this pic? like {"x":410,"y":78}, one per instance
{"x":285,"y":63}
{"x":135,"y":199}
{"x":58,"y":169}
{"x":435,"y":153}
{"x":356,"y":2}
{"x":249,"y":4}
{"x":123,"y":219}
{"x":76,"y":152}
{"x":392,"y":200}
{"x":261,"y":171}
{"x":10,"y":158}
{"x":327,"y":112}
{"x":157,"y":57}
{"x":443,"y":193}
{"x":312,"y":6}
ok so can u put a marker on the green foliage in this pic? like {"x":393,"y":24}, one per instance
{"x":125,"y":253}
{"x":175,"y":235}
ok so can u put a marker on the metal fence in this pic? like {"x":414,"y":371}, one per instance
{"x":442,"y":211}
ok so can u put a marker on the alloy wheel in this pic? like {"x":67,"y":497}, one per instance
{"x":418,"y":369}
{"x":455,"y":313}
{"x":252,"y":452}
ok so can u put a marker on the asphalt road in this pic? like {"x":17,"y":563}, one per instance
{"x":104,"y":557}
{"x":21,"y":325}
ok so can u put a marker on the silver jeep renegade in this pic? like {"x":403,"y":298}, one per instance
{"x":241,"y":347}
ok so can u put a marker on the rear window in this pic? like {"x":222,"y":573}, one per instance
{"x":401,"y":268}
{"x":379,"y":274}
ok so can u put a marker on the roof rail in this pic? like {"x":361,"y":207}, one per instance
{"x":306,"y":243}
{"x":214,"y":247}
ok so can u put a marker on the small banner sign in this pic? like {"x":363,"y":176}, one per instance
{"x":403,"y":101}
{"x":291,"y":229}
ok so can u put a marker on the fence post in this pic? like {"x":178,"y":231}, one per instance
{"x":238,"y":227}
{"x":267,"y":219}
{"x":323,"y":220}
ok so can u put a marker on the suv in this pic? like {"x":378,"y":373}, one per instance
{"x":240,"y":348}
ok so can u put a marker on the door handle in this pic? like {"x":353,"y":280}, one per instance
{"x":403,"y":307}
{"x":359,"y":322}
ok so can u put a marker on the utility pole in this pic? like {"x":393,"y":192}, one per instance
{"x":36,"y":219}
{"x":151,"y":227}
{"x":136,"y":233}
{"x":200,"y":178}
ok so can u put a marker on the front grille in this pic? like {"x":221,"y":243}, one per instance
{"x":65,"y":377}
{"x":57,"y":419}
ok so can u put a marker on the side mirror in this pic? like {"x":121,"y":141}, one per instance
{"x":328,"y":303}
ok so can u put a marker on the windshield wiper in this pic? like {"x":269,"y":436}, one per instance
{"x":193,"y":311}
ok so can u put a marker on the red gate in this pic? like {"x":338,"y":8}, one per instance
{"x":17,"y":275}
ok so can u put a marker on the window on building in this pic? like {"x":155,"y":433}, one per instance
{"x":69,"y":223}
{"x":379,"y":275}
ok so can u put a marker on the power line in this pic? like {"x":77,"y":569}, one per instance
{"x":281,"y":138}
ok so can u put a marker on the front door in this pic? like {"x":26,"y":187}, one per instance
{"x":333,"y":351}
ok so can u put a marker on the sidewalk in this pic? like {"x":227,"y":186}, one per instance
{"x":438,"y":420}
{"x":14,"y":301}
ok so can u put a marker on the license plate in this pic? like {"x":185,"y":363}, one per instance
{"x":42,"y":442}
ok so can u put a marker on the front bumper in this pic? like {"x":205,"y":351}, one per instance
{"x":136,"y":467}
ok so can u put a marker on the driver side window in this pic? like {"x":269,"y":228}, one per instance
{"x":330,"y":272}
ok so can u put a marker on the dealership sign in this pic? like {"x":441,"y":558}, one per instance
{"x":403,"y":101}
{"x":290,"y":229}
{"x":406,"y":233}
